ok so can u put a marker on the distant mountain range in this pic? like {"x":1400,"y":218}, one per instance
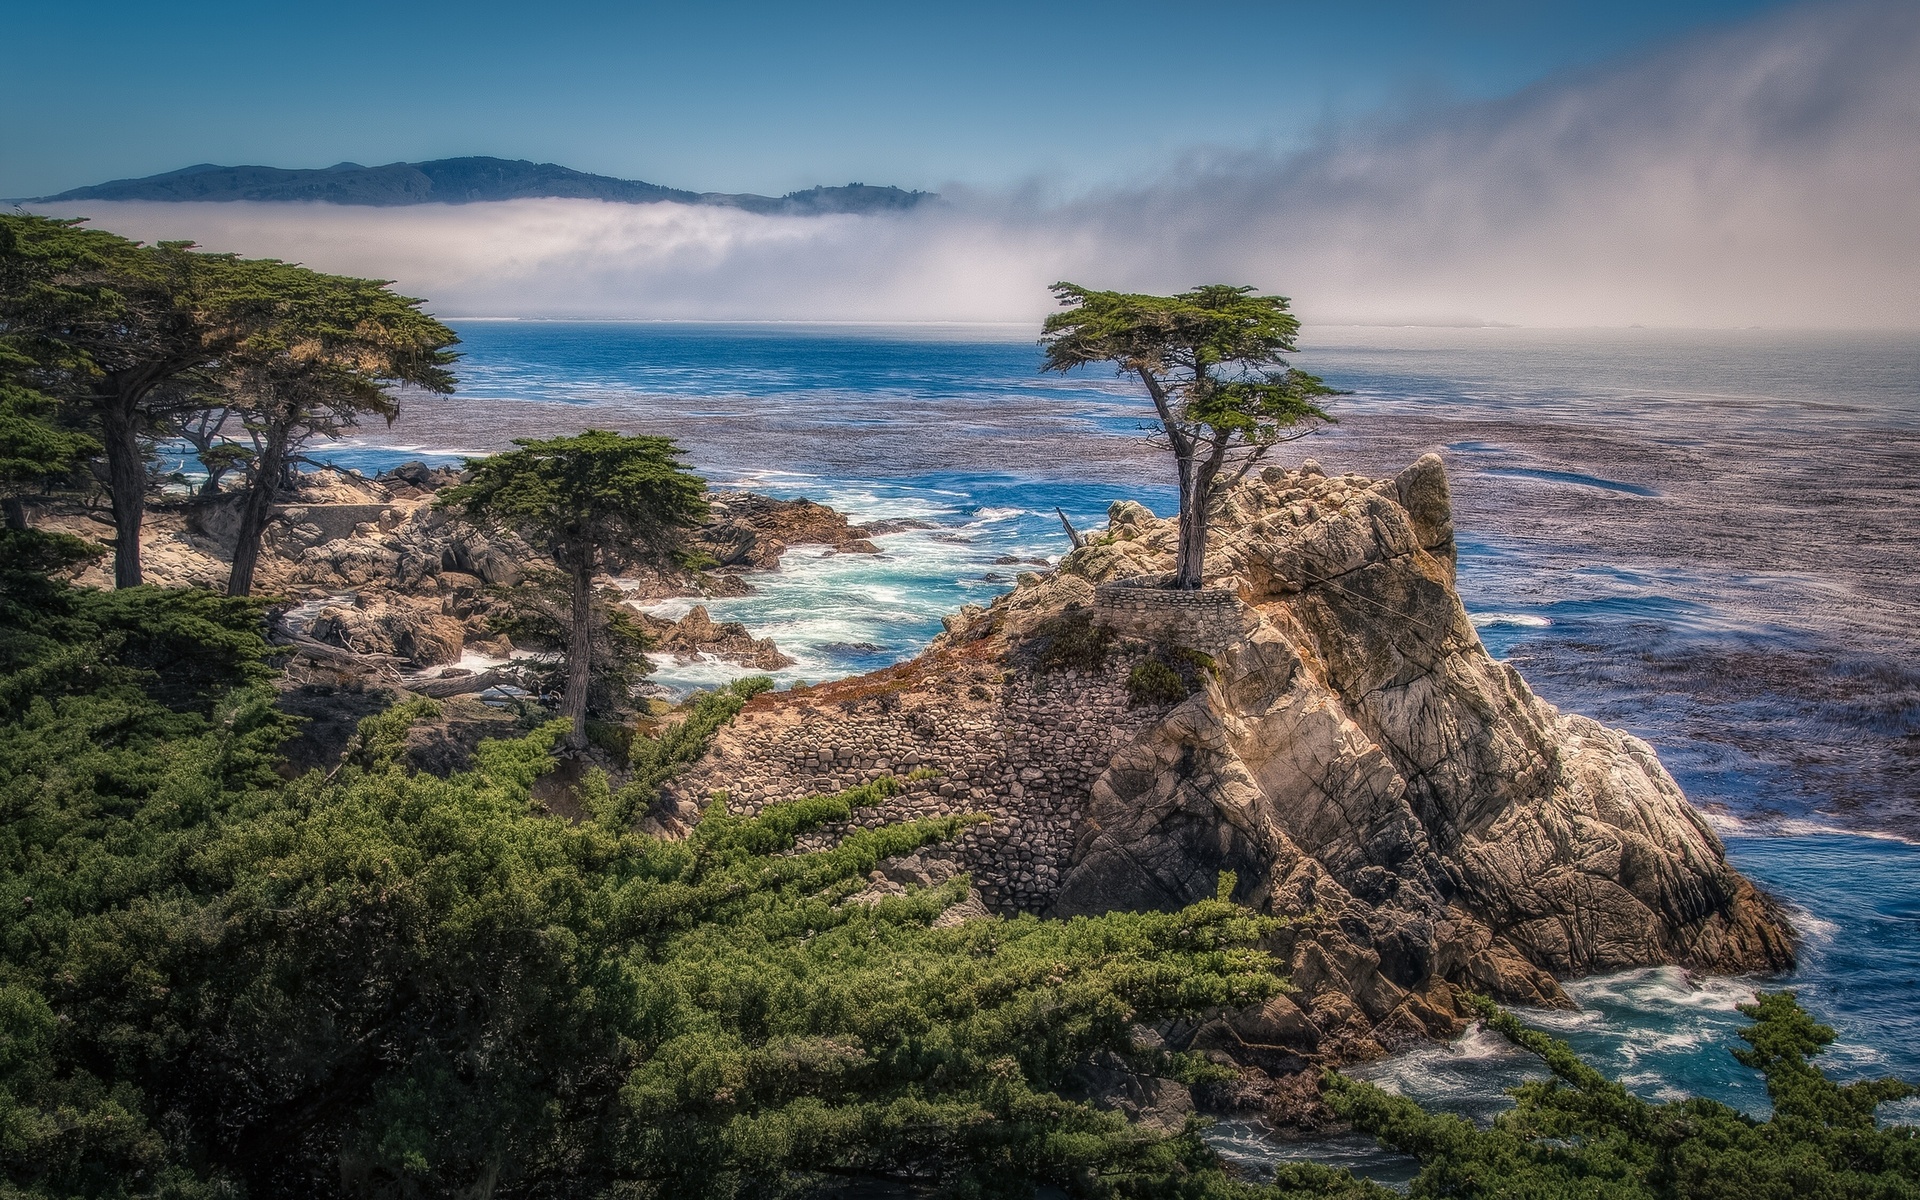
{"x":467,"y":181}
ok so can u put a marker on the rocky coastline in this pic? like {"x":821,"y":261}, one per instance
{"x":1322,"y":722}
{"x":383,"y":588}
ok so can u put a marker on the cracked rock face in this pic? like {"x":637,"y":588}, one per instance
{"x":1359,"y":757}
{"x":1352,"y":753}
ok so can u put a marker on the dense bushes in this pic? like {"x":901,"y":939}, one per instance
{"x":378,"y":982}
{"x":388,"y":983}
{"x":1154,"y":682}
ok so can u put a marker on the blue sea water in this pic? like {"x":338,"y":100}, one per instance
{"x":1704,"y":538}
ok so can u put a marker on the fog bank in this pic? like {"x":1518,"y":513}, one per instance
{"x":1764,"y":175}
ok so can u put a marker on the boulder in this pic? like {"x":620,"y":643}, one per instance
{"x":413,"y":632}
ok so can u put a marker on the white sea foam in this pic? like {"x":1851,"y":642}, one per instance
{"x":1492,"y":620}
{"x":1820,"y":825}
{"x":1814,"y":930}
{"x":1453,"y":1073}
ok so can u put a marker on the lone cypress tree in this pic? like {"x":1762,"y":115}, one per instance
{"x":1213,"y":361}
{"x":577,"y":498}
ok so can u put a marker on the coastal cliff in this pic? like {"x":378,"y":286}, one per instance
{"x":1322,"y":721}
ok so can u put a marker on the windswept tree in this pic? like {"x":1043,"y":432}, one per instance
{"x":1213,"y":361}
{"x":589,"y":501}
{"x":122,"y":322}
{"x":133,"y":339}
{"x":330,"y":350}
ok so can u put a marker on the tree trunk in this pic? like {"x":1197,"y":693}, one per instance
{"x":126,"y":485}
{"x":1196,"y":479}
{"x":1191,"y":551}
{"x":16,"y":512}
{"x":1197,"y":476}
{"x":254,"y":512}
{"x":579,"y":650}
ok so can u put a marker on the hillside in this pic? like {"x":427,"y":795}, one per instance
{"x":466,"y":181}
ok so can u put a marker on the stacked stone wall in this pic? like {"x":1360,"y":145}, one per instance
{"x":1023,"y":749}
{"x":1203,"y":619}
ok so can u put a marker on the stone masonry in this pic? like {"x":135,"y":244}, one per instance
{"x":1018,"y":745}
{"x":1143,"y":607}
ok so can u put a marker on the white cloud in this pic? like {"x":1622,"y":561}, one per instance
{"x":1768,"y":175}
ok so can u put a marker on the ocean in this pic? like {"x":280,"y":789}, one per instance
{"x":1707,"y":538}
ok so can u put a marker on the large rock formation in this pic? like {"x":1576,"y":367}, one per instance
{"x":1324,"y":722}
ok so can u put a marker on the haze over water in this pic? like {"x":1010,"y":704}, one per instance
{"x":1705,"y":538}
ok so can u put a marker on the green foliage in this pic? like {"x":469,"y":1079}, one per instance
{"x":133,"y":730}
{"x":1169,"y":675}
{"x":579,"y":496}
{"x":218,"y":983}
{"x":591,"y":500}
{"x":182,"y":649}
{"x":1217,"y":351}
{"x":1580,"y":1134}
{"x":33,"y":446}
{"x":1213,"y":360}
{"x":655,"y":760}
{"x":1154,"y":682}
{"x":318,"y":353}
{"x":133,"y":339}
{"x":1070,"y":640}
{"x":389,"y":983}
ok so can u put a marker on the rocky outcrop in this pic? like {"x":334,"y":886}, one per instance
{"x":411,"y":582}
{"x":1346,"y":747}
{"x":416,"y":632}
{"x":698,"y":633}
{"x":748,"y":531}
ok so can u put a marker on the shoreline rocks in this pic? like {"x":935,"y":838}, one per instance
{"x":409,"y":583}
{"x":1346,"y":747}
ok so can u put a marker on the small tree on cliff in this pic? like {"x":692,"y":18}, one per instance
{"x":577,"y":498}
{"x":1213,"y":361}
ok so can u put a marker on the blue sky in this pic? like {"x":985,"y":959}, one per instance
{"x":769,"y":97}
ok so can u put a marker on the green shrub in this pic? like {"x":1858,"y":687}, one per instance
{"x":1071,"y":641}
{"x":611,"y":737}
{"x":381,"y":982}
{"x":1154,"y":682}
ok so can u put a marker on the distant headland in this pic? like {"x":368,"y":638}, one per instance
{"x":468,"y":181}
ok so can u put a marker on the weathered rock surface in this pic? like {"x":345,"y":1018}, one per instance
{"x":698,"y":633}
{"x":413,"y":631}
{"x":1348,"y":749}
{"x":748,"y":531}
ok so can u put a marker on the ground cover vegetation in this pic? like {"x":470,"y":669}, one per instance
{"x":372,"y":981}
{"x":1213,"y":361}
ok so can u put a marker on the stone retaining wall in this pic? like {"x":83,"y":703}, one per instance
{"x":1023,"y":750}
{"x":1207,"y":619}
